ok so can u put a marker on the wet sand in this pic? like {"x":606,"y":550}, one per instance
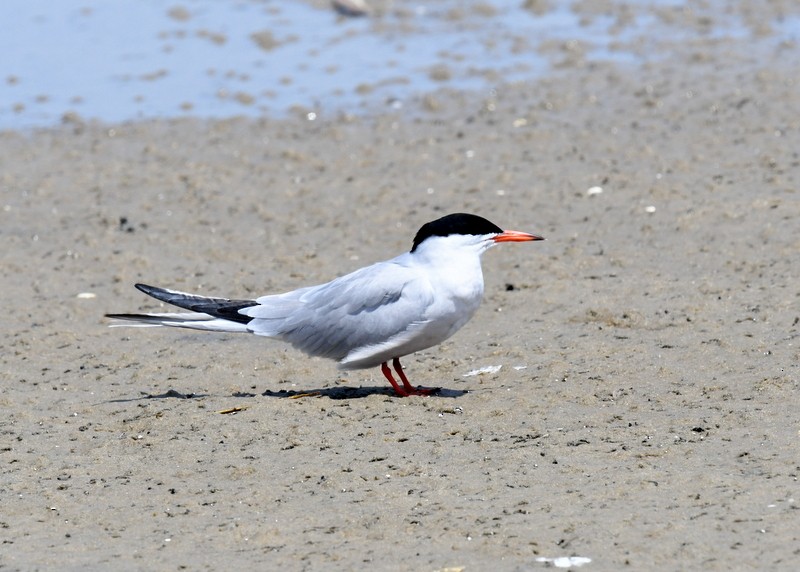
{"x":645,"y":415}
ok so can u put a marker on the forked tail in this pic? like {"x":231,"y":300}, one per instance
{"x":216,"y":314}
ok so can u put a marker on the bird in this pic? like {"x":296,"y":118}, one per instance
{"x":369,"y":317}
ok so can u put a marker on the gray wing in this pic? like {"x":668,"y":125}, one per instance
{"x":369,"y":307}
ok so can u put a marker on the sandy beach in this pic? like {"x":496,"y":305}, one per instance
{"x":645,"y":415}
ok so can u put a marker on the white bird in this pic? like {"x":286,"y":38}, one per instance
{"x":369,"y":317}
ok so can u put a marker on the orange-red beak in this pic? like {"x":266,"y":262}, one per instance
{"x":515,"y":236}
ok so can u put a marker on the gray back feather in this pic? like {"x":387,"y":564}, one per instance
{"x":367,"y":307}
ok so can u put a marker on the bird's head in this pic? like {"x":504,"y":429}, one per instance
{"x":468,"y":231}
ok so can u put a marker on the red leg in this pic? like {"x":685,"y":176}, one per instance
{"x":388,"y":373}
{"x":409,"y":389}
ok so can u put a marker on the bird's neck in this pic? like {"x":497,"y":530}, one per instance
{"x":460,"y":272}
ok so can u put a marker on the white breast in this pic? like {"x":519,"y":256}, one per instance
{"x":454,"y":292}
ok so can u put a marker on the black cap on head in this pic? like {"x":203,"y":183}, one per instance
{"x":457,"y":223}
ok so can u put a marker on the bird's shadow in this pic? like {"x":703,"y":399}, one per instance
{"x":328,"y":392}
{"x":169,"y":394}
{"x":350,"y":392}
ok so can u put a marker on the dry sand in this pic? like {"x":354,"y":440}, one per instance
{"x":645,"y":415}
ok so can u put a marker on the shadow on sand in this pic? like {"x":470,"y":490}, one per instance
{"x":328,"y":392}
{"x":351,"y":392}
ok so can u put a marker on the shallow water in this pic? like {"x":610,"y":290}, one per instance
{"x":134,"y":59}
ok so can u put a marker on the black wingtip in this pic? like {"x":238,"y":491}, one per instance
{"x":145,"y":288}
{"x":125,"y":316}
{"x":168,"y":296}
{"x":218,"y":307}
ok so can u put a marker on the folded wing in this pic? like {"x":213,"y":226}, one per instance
{"x":373,"y":306}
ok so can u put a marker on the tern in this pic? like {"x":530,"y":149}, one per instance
{"x":369,"y":317}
